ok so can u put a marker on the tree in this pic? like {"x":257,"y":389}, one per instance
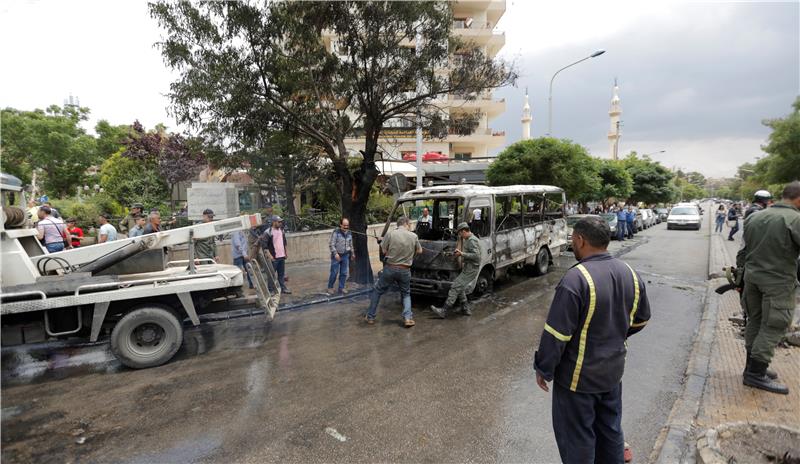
{"x":51,"y":141}
{"x":175,"y":158}
{"x":784,"y":147}
{"x":652,"y":182}
{"x":547,"y":161}
{"x":323,"y":71}
{"x":615,"y":180}
{"x":110,"y":139}
{"x":129,"y":181}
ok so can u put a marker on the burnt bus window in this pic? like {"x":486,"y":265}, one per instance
{"x":533,"y":208}
{"x":479,"y":216}
{"x":554,"y":205}
{"x":508,"y":212}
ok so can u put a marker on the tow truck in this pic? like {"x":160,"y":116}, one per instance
{"x":125,"y":290}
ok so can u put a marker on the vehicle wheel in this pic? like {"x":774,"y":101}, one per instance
{"x":146,"y":337}
{"x":669,"y":227}
{"x":542,"y":262}
{"x":483,"y":285}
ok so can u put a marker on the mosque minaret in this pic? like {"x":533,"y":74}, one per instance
{"x":614,"y":132}
{"x":526,"y":118}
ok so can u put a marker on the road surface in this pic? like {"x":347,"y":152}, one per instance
{"x":320,"y":385}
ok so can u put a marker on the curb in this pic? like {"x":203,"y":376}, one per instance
{"x":674,"y":444}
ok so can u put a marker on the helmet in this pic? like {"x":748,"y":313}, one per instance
{"x":762,"y":196}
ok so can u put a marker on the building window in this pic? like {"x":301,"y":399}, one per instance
{"x":463,"y":156}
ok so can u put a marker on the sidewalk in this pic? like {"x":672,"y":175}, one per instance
{"x":725,"y":398}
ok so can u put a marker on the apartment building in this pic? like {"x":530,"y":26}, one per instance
{"x":474,"y":21}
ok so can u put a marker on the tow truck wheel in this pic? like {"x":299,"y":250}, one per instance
{"x":542,"y":262}
{"x":148,"y":336}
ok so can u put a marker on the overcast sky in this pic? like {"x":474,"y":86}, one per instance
{"x":696,"y":79}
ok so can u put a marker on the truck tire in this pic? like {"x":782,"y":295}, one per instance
{"x":483,"y":285}
{"x":148,"y":336}
{"x":542,"y":262}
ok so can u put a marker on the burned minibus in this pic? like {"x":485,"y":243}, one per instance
{"x":519,"y":226}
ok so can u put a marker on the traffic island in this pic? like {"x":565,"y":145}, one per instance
{"x":749,"y":442}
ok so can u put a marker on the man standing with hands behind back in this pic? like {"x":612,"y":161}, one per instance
{"x":598,"y":304}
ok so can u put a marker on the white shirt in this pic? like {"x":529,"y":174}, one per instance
{"x":476,"y":214}
{"x":109,"y":231}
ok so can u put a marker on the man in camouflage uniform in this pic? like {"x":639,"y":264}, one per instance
{"x":471,"y":252}
{"x":127,"y":224}
{"x":206,"y":248}
{"x":772,"y":245}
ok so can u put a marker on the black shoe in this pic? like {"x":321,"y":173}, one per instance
{"x":466,"y":309}
{"x":756,"y":377}
{"x":769,"y":372}
{"x":441,"y":312}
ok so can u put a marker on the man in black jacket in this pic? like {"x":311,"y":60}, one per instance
{"x":598,"y":304}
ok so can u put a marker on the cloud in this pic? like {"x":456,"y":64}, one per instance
{"x":695,"y":80}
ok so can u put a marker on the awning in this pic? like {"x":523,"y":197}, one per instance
{"x":387,"y":168}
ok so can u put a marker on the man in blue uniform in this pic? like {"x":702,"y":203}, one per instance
{"x":599,"y":303}
{"x":622,"y":219}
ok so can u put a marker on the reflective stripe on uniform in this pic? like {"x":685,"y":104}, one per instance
{"x":582,"y":344}
{"x":557,"y":334}
{"x":635,"y":297}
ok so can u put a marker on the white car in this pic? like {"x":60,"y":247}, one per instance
{"x":684,"y":216}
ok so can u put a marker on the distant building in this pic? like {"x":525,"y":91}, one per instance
{"x":526,"y":118}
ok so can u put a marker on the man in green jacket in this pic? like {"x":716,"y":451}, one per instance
{"x":772,"y":245}
{"x":206,"y":248}
{"x":471,"y":252}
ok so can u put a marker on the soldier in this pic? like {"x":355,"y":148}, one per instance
{"x":129,"y":222}
{"x":471,"y":252}
{"x":761,"y":200}
{"x":599,"y":303}
{"x":772,"y":244}
{"x":206,"y":248}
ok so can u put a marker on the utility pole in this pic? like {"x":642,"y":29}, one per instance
{"x":418,"y":51}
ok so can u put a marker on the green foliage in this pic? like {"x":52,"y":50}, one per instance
{"x":128,"y":181}
{"x":783,"y":162}
{"x":110,"y":139}
{"x":615,"y":180}
{"x":652,"y":182}
{"x":51,"y":141}
{"x":548,"y":161}
{"x":379,"y":206}
{"x":86,"y":208}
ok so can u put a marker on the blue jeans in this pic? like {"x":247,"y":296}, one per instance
{"x":734,"y":229}
{"x":631,"y":229}
{"x":55,"y":247}
{"x":620,"y":231}
{"x":389,"y":277}
{"x":718,"y":227}
{"x":239,"y":262}
{"x":340,"y":268}
{"x":280,"y":267}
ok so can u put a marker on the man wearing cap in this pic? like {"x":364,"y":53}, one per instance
{"x":470,"y":251}
{"x":206,"y":248}
{"x":274,"y":240}
{"x":127,"y":224}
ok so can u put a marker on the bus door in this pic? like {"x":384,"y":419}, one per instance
{"x":479,"y":217}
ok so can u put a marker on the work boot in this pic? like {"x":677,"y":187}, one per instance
{"x":770,"y":373}
{"x":756,"y":377}
{"x":466,"y":308}
{"x":441,"y":312}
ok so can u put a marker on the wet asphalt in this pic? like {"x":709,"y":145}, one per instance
{"x":319,"y":385}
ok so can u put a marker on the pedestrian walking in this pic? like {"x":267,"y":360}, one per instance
{"x":153,"y":223}
{"x":239,"y":253}
{"x":761,"y":200}
{"x":341,"y":246}
{"x":470,"y":251}
{"x":273,"y":239}
{"x":129,"y":222}
{"x":75,"y":233}
{"x":733,"y":221}
{"x":622,"y":221}
{"x":598,"y":304}
{"x":138,"y":228}
{"x":107,"y":232}
{"x":720,"y":219}
{"x":769,"y":257}
{"x":399,"y":247}
{"x":51,"y":231}
{"x":206,"y":248}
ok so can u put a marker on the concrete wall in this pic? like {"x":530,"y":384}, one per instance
{"x":301,"y":246}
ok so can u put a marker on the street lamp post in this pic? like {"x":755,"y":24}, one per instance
{"x":654,"y":153}
{"x":550,"y":98}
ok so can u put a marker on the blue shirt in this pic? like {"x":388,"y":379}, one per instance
{"x":630,"y":215}
{"x":238,"y":245}
{"x":621,"y":215}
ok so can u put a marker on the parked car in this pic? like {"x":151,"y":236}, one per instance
{"x":638,"y":221}
{"x":648,"y":217}
{"x":611,"y":219}
{"x":572,"y":220}
{"x":684,"y":216}
{"x":662,"y":214}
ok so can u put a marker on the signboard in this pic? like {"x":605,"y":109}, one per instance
{"x":222,"y":198}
